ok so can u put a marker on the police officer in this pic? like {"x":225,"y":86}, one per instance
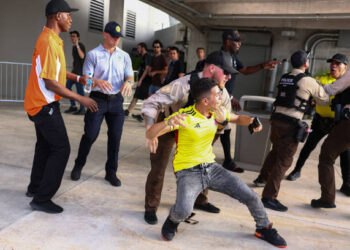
{"x":323,"y":122}
{"x":287,"y":129}
{"x":336,"y":142}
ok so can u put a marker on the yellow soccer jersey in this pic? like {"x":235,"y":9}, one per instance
{"x":325,"y":111}
{"x":194,"y":142}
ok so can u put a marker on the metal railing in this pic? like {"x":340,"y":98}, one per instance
{"x":13,"y":81}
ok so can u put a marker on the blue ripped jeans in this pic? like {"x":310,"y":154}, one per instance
{"x":190,"y":182}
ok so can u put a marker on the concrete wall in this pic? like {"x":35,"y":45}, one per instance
{"x":148,"y":19}
{"x":22,"y":21}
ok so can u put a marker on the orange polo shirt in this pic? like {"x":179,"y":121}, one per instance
{"x":48,"y":63}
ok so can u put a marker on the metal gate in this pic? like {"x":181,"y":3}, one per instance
{"x":13,"y":81}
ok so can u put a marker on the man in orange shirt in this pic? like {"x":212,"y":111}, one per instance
{"x":45,"y":88}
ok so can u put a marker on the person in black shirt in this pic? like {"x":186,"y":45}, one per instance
{"x":78,"y":53}
{"x":201,"y":59}
{"x":231,"y":43}
{"x":176,"y":68}
{"x":144,"y":80}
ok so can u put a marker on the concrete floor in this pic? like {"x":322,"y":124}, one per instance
{"x":99,"y":216}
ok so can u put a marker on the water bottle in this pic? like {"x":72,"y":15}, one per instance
{"x":87,"y":87}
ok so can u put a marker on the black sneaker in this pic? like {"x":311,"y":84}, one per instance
{"x":232,"y":166}
{"x":79,"y":112}
{"x":75,"y":174}
{"x":169,"y":229}
{"x":345,"y":189}
{"x":271,"y":235}
{"x":71,"y":109}
{"x":47,"y":207}
{"x":113,"y":180}
{"x":151,"y":217}
{"x":274,"y":204}
{"x":137,"y":117}
{"x":322,"y":204}
{"x":295,"y":174}
{"x":259,"y":182}
{"x":208,"y":207}
{"x":126,"y":112}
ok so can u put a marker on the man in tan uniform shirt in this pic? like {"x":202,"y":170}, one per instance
{"x":284,"y":127}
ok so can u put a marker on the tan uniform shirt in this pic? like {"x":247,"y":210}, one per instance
{"x":339,"y":86}
{"x":175,"y":94}
{"x":308,"y":86}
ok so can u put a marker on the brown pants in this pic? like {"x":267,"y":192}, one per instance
{"x":155,"y":178}
{"x":280,"y":157}
{"x":336,"y":142}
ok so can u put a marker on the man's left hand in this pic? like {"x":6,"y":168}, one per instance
{"x":235,"y":105}
{"x":126,"y":89}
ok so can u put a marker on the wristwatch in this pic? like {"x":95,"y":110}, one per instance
{"x":224,"y":123}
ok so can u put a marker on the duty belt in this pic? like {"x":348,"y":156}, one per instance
{"x":102,"y":96}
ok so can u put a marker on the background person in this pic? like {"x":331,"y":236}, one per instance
{"x":159,"y":67}
{"x":201,"y":59}
{"x":144,"y":80}
{"x":78,"y":52}
{"x":176,"y":68}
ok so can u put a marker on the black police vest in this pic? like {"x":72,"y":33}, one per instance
{"x":287,"y":93}
{"x":193,"y":78}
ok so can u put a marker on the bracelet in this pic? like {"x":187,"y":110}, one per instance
{"x":166,"y":122}
{"x":78,"y":47}
{"x":78,"y":78}
{"x":171,"y":127}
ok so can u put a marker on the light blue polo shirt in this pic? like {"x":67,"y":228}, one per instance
{"x":113,"y":68}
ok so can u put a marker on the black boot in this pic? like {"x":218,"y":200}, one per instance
{"x":169,"y":229}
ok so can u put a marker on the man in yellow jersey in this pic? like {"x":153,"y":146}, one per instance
{"x":194,"y":162}
{"x":323,"y":123}
{"x":45,"y":88}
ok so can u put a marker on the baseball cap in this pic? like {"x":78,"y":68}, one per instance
{"x":339,"y":58}
{"x":223,"y":60}
{"x":232,"y":35}
{"x":113,"y":29}
{"x":55,"y":6}
{"x":299,"y":58}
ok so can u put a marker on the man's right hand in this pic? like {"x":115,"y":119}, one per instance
{"x":152,"y":145}
{"x":105,"y":86}
{"x":89,"y":103}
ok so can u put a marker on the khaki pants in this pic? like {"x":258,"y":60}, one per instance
{"x":155,"y":178}
{"x":335,"y":143}
{"x":280,"y":158}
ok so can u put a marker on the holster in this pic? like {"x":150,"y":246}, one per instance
{"x":302,"y":131}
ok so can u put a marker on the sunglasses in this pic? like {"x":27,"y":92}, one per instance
{"x":156,"y":47}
